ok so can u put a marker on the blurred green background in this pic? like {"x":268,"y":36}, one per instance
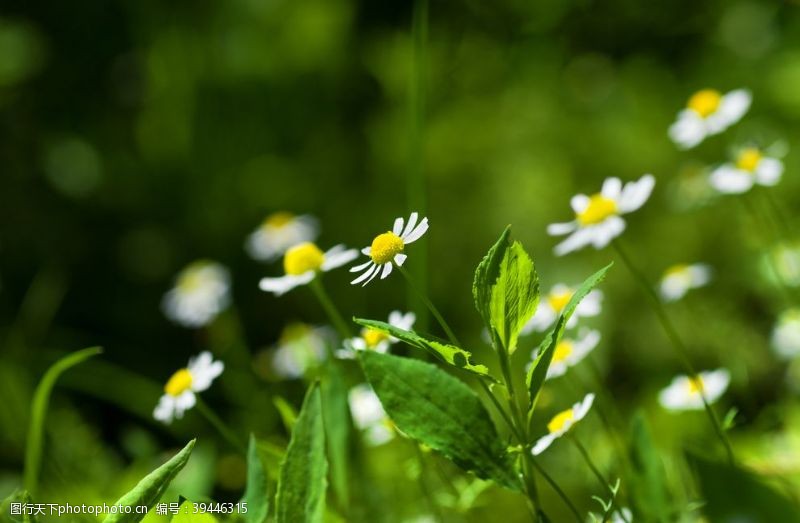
{"x":140,"y":136}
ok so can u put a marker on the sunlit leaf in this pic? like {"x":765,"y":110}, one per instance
{"x":18,"y":496}
{"x":438,"y":410}
{"x":336,"y":414}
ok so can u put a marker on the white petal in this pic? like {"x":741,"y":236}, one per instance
{"x":577,"y":240}
{"x":412,"y":221}
{"x":366,"y":274}
{"x":769,"y":171}
{"x":366,"y":250}
{"x":417,"y":232}
{"x":733,"y":106}
{"x":542,"y":444}
{"x":184,"y":402}
{"x":730,"y":180}
{"x":591,"y":304}
{"x":387,"y":270}
{"x":359,"y":268}
{"x":688,"y":130}
{"x":204,"y":370}
{"x":635,"y":194}
{"x":541,"y":320}
{"x":579,"y":410}
{"x":284,"y":284}
{"x":400,"y":259}
{"x":700,"y":273}
{"x":556,"y":369}
{"x":560,"y":229}
{"x":715,"y":383}
{"x":398,"y":226}
{"x":579,"y":203}
{"x":374,"y":274}
{"x":612,"y":188}
{"x":338,"y":256}
{"x":604,"y":232}
{"x":165,"y":410}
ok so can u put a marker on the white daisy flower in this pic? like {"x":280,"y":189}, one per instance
{"x":373,"y":339}
{"x":622,"y":515}
{"x":303,"y":262}
{"x":570,"y":351}
{"x":598,"y":218}
{"x":553,"y":304}
{"x":680,"y":279}
{"x":708,"y":112}
{"x":179,"y":392}
{"x":750,"y":168}
{"x":387,"y":249}
{"x":201,"y":291}
{"x":786,"y":335}
{"x":562,"y":422}
{"x":369,"y":416}
{"x":301,"y":347}
{"x":684,"y":393}
{"x":278,"y":232}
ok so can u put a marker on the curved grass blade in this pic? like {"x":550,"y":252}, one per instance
{"x":41,"y":398}
{"x":256,"y":493}
{"x":150,"y":489}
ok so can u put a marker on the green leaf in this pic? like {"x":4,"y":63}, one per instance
{"x":256,"y":493}
{"x":336,"y":415}
{"x":734,"y":494}
{"x":648,"y":485}
{"x":18,"y":496}
{"x":286,"y":411}
{"x":186,"y":514}
{"x":302,"y":481}
{"x":538,"y":370}
{"x":450,"y":354}
{"x":33,"y":450}
{"x":150,"y":489}
{"x":438,"y":410}
{"x":506,"y":291}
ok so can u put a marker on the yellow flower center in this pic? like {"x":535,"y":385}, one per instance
{"x":303,"y":258}
{"x":278,"y":219}
{"x":190,"y":280}
{"x":385,"y":246}
{"x":373,"y":337}
{"x":559,"y":420}
{"x":559,"y":300}
{"x":748,"y":159}
{"x":680,"y":270}
{"x":598,"y":210}
{"x":705,"y":102}
{"x":695,"y":385}
{"x":563,"y":350}
{"x":179,"y":383}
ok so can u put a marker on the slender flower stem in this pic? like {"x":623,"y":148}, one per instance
{"x":597,"y":474}
{"x":677,"y":343}
{"x":330,"y":309}
{"x":558,"y":490}
{"x":220,"y":425}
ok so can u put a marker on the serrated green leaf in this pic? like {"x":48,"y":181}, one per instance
{"x":256,"y":493}
{"x":446,"y":352}
{"x":33,"y":450}
{"x":438,"y":410}
{"x":302,"y":481}
{"x":150,"y":489}
{"x":336,"y":415}
{"x":734,"y":494}
{"x":648,"y":486}
{"x":514,"y":296}
{"x":538,"y":370}
{"x":187,"y":513}
{"x":486,"y":275}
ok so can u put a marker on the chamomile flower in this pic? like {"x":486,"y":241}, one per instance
{"x":303,"y":262}
{"x":180,"y":390}
{"x":680,"y":279}
{"x":373,"y":339}
{"x":201,"y":291}
{"x":598,"y":218}
{"x":686,"y":393}
{"x":562,"y":422}
{"x":571,"y":351}
{"x":387,"y":249}
{"x":622,"y":515}
{"x":369,"y":416}
{"x":751,"y":167}
{"x":300,"y":348}
{"x":786,"y":335}
{"x":278,"y":232}
{"x":555,"y":301}
{"x":708,"y":112}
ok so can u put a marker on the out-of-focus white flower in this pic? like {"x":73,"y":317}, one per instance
{"x":598,"y":218}
{"x":387,"y":249}
{"x":369,"y":416}
{"x":570,"y":351}
{"x":278,"y":232}
{"x":750,"y":168}
{"x":201,"y":291}
{"x":708,"y":112}
{"x":562,"y":422}
{"x":786,"y":334}
{"x":623,"y":515}
{"x":373,"y":339}
{"x":684,"y":393}
{"x":680,"y":279}
{"x":300,"y":348}
{"x":555,"y":301}
{"x":303,"y":262}
{"x":179,"y":392}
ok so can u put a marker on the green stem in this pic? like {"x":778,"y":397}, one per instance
{"x":598,"y":475}
{"x":330,"y":309}
{"x":220,"y":425}
{"x":558,"y":490}
{"x":677,"y":343}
